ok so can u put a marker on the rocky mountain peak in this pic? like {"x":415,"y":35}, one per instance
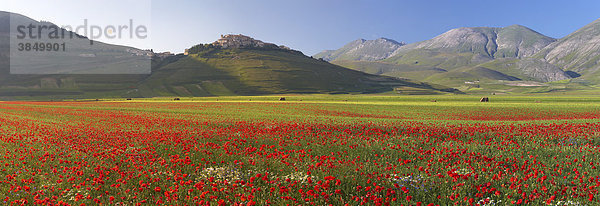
{"x":363,"y":50}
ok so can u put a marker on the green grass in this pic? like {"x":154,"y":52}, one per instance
{"x":412,"y":107}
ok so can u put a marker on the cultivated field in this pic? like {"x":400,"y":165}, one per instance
{"x":307,"y":150}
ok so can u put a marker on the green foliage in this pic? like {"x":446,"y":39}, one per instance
{"x":200,"y":48}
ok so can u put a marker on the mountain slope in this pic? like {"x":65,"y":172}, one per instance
{"x":459,"y":57}
{"x":512,"y":41}
{"x":255,"y":71}
{"x":78,"y":55}
{"x":578,"y":52}
{"x":113,"y":57}
{"x":362,"y":50}
{"x":469,"y":48}
{"x":508,"y":59}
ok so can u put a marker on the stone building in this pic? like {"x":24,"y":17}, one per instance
{"x":241,"y":41}
{"x":237,"y":41}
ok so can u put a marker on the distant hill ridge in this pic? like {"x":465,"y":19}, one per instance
{"x":363,"y":50}
{"x":494,"y":55}
{"x":232,"y":65}
{"x":241,"y":65}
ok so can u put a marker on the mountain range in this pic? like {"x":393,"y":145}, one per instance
{"x":232,"y":65}
{"x":512,"y":59}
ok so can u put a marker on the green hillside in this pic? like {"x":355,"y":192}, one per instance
{"x":250,"y":71}
{"x":414,"y":71}
{"x":215,"y":72}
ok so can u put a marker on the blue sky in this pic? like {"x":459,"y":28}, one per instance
{"x":314,"y":25}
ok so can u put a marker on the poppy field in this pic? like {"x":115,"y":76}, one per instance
{"x":307,"y":150}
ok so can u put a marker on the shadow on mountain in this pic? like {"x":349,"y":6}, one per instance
{"x":573,"y":74}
